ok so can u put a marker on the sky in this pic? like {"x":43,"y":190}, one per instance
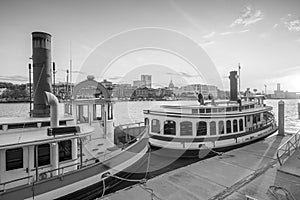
{"x":192,"y":41}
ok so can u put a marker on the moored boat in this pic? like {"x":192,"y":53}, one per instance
{"x":77,"y":155}
{"x":211,"y":127}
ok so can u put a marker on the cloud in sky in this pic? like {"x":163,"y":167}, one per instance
{"x":291,"y":24}
{"x":182,"y":74}
{"x":244,"y":31}
{"x":248,"y":16}
{"x":226,"y":33}
{"x":208,"y":42}
{"x":209,"y":35}
{"x":275,"y":25}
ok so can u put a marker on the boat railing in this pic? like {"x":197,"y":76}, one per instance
{"x":288,"y":148}
{"x":28,"y":179}
{"x":131,"y":125}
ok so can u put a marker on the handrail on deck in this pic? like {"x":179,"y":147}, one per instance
{"x":288,"y":148}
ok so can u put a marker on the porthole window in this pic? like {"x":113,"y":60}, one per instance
{"x":212,"y":128}
{"x":201,"y":128}
{"x":155,"y":126}
{"x":169,"y":127}
{"x":221,"y":127}
{"x":186,"y":128}
{"x":235,"y":126}
{"x":241,"y":125}
{"x":228,"y":126}
{"x":146,"y":121}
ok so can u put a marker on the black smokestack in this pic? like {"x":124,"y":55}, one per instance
{"x":233,"y":86}
{"x":41,"y":56}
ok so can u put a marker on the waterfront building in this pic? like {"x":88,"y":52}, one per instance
{"x":190,"y":90}
{"x":139,"y":83}
{"x":146,"y":79}
{"x":123,"y":90}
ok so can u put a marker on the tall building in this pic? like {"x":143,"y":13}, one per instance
{"x":147,"y":80}
{"x":139,"y":84}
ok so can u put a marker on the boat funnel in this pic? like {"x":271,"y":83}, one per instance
{"x":41,"y":58}
{"x":233,"y":86}
{"x":52,"y":101}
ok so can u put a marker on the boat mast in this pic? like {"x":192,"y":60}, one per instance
{"x":239,"y":80}
{"x":71,"y":89}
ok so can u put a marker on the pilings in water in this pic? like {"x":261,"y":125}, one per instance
{"x":281,"y":118}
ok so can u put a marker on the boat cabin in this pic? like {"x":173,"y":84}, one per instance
{"x":30,"y":150}
{"x":211,"y":120}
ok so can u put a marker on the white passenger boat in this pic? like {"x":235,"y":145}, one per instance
{"x":76,"y":155}
{"x":216,"y":126}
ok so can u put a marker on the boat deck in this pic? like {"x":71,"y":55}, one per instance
{"x":244,"y":173}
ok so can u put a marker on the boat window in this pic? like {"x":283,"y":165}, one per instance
{"x":14,"y":159}
{"x":201,"y":128}
{"x":252,"y":106}
{"x":201,"y":110}
{"x":234,"y":108}
{"x":228,"y":126}
{"x":146,"y":121}
{"x":235,"y":126}
{"x":186,"y":128}
{"x":212,"y":128}
{"x":65,"y":150}
{"x":241,"y":124}
{"x":221,"y":109}
{"x":110,"y":111}
{"x":43,"y":155}
{"x":169,"y":127}
{"x":97,"y":112}
{"x":194,"y":111}
{"x":155,"y":126}
{"x":82,"y":114}
{"x":258,"y":118}
{"x":215,"y":110}
{"x":208,"y":110}
{"x":221,"y":127}
{"x":228,"y":109}
{"x":254,"y":119}
{"x":68,"y":109}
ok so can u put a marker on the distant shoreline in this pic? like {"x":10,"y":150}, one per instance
{"x":15,"y":101}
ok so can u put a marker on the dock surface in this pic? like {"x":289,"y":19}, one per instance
{"x":244,"y":173}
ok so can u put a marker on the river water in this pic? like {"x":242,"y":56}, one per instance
{"x":132,"y":111}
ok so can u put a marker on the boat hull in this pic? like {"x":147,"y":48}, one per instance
{"x":206,"y":152}
{"x":87,"y":182}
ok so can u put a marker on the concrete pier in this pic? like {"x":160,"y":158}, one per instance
{"x":241,"y":174}
{"x":281,"y":118}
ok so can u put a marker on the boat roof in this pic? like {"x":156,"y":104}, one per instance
{"x":32,"y":136}
{"x":19,"y":120}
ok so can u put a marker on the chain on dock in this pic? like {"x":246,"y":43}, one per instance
{"x":142,"y":181}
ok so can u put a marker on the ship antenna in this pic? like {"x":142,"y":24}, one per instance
{"x":71,"y":88}
{"x":239,"y":80}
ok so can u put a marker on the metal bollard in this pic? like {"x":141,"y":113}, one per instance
{"x":281,"y":118}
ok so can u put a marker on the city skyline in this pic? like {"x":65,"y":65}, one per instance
{"x":262,"y":36}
